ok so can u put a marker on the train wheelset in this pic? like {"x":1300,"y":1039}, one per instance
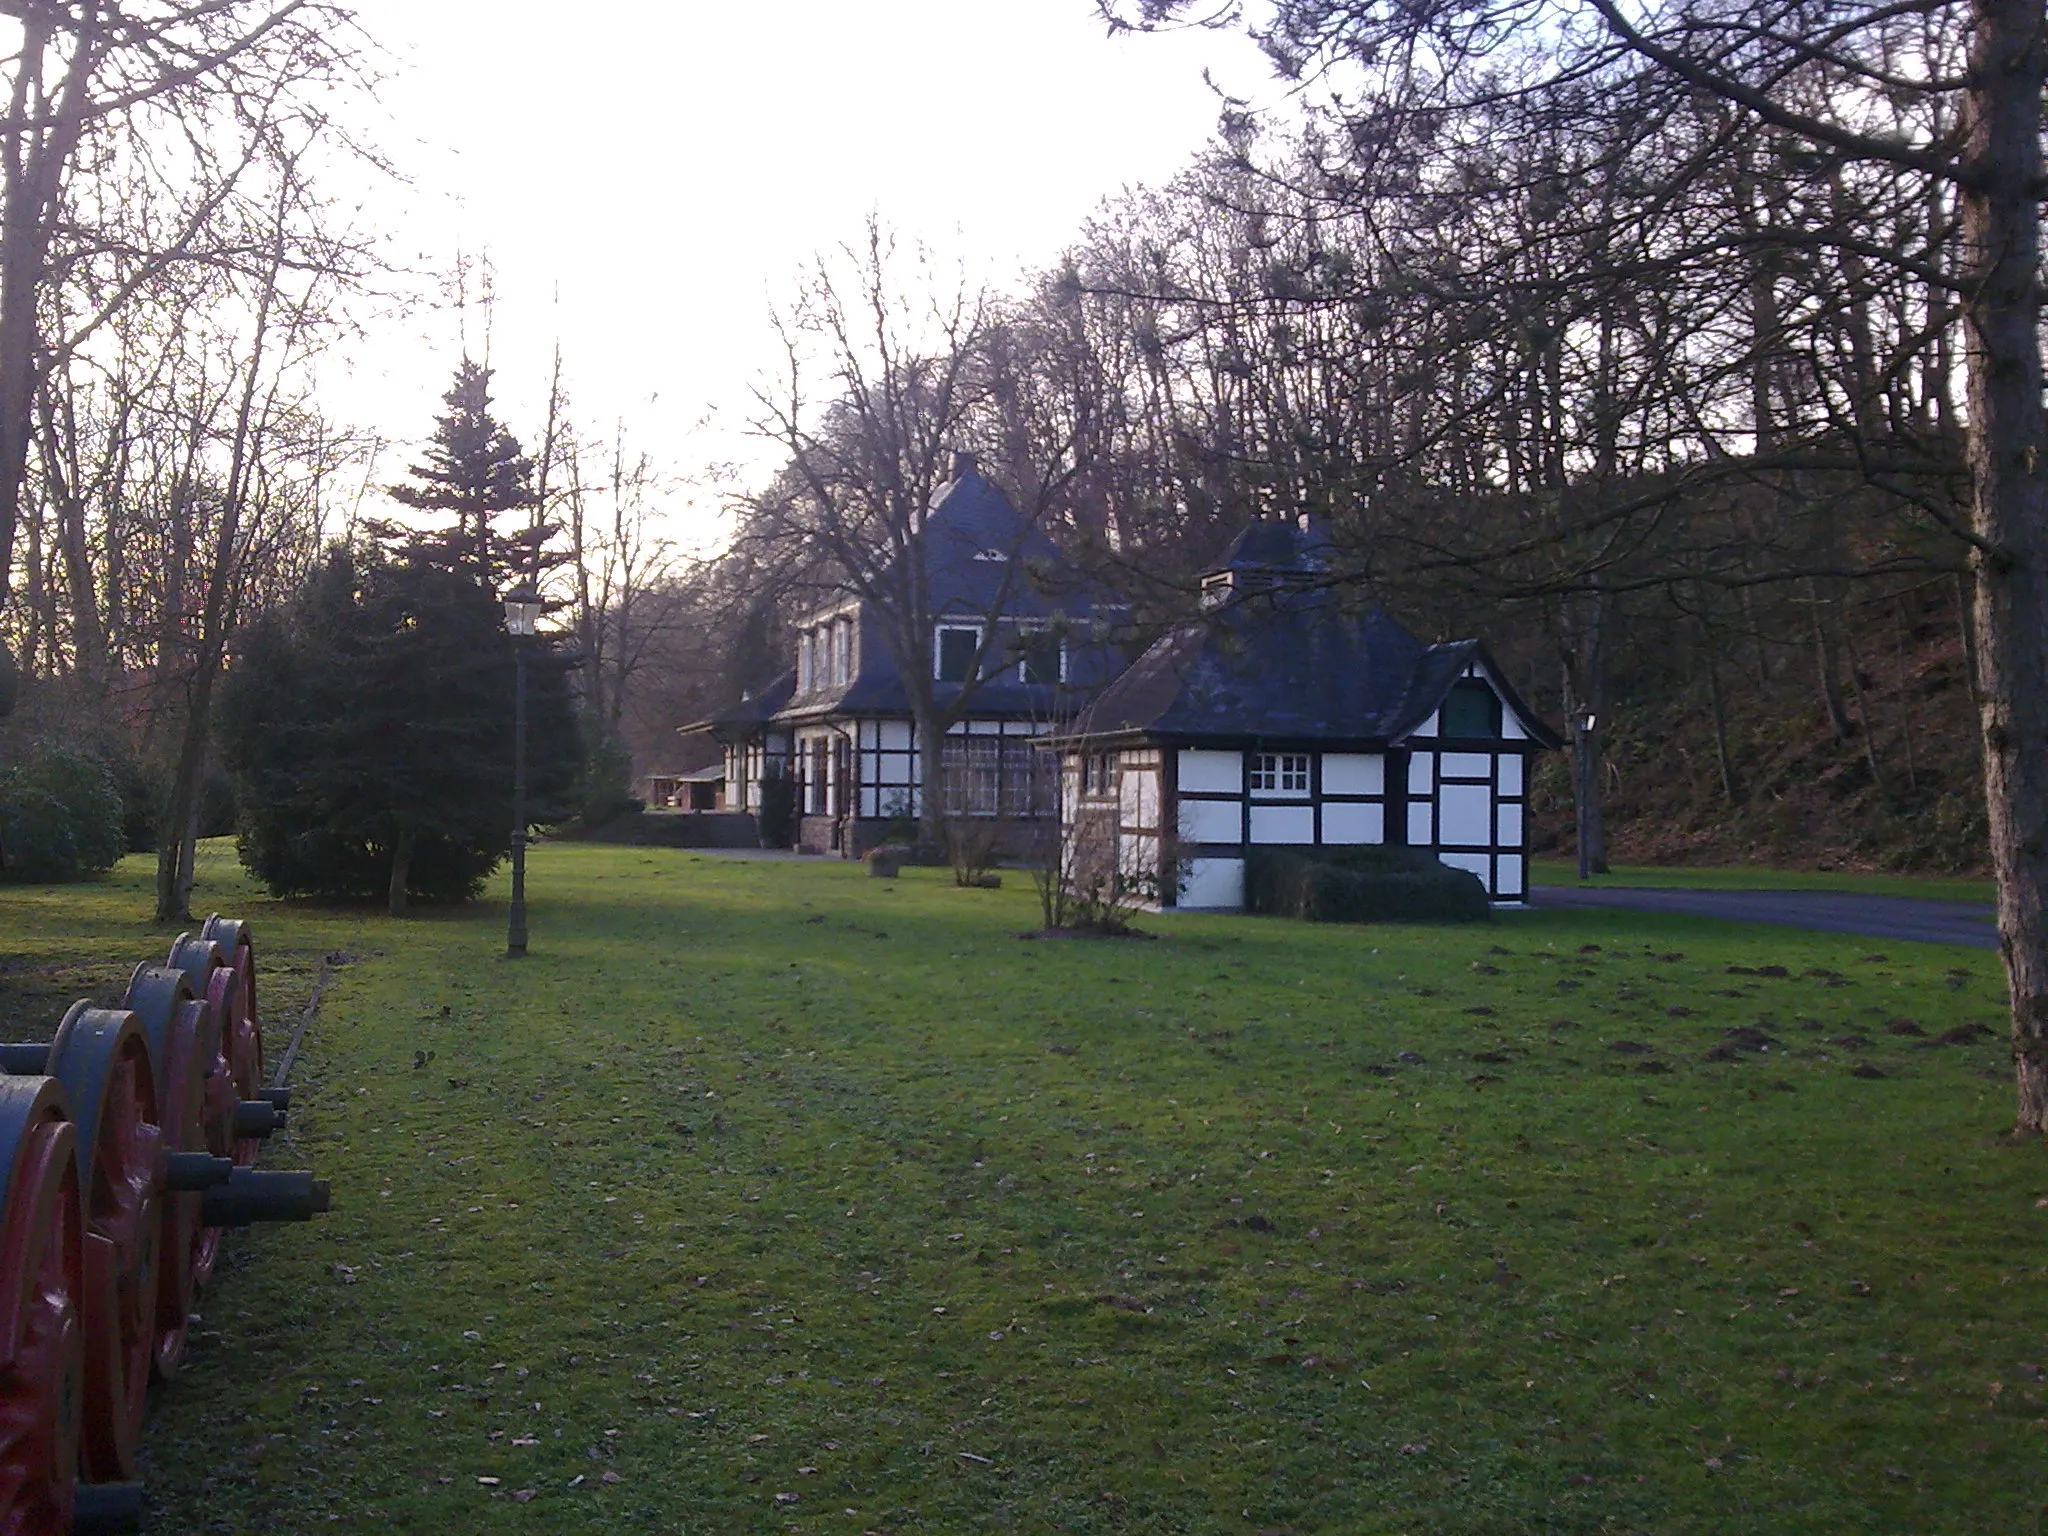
{"x":128,"y":1144}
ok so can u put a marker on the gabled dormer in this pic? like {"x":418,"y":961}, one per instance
{"x":1271,"y":555}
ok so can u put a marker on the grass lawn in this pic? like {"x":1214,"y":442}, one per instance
{"x":768,"y":1197}
{"x":1756,"y":877}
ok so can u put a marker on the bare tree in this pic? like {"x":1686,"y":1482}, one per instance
{"x":885,"y":379}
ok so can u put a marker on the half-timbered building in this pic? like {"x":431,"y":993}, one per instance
{"x":1012,"y":645}
{"x":1283,"y":716}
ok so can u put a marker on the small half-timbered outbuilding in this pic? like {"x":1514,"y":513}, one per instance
{"x":1284,"y":717}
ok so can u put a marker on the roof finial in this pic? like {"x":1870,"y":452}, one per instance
{"x":963,"y":462}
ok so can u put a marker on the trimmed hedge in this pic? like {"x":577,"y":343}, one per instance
{"x":1361,"y":885}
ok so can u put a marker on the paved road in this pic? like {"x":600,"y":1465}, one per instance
{"x":1877,"y":917}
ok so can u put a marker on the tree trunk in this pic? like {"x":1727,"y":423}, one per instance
{"x":931,"y":746}
{"x":1719,"y":702}
{"x":2002,"y":258}
{"x":175,"y":838}
{"x":1824,"y":667}
{"x":401,"y":868}
{"x":32,"y":168}
{"x":1589,"y":677}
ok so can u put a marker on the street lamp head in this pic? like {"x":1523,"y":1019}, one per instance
{"x":1586,"y":721}
{"x":522,"y":609}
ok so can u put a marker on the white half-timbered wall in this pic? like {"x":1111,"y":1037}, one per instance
{"x":746,"y":764}
{"x":1464,"y":799}
{"x":883,"y":764}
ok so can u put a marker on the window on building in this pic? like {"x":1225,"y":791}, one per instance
{"x":1216,"y":589}
{"x":1098,"y":775}
{"x":992,"y":776}
{"x":842,"y":669}
{"x":1043,"y":657}
{"x":957,"y":645}
{"x":1471,"y":708}
{"x":817,"y":780}
{"x":1281,"y":773}
{"x":806,"y":662}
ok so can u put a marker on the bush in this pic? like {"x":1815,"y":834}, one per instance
{"x":1361,"y":885}
{"x":141,"y":804}
{"x":606,"y":791}
{"x":60,"y":817}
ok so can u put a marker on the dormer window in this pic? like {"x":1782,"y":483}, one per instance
{"x":995,"y":556}
{"x":842,"y":651}
{"x":1216,"y":589}
{"x":953,"y":651}
{"x":1042,"y":658}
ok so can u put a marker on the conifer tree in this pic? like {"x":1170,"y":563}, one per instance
{"x":476,"y":471}
{"x":368,"y":727}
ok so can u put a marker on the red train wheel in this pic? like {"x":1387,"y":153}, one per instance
{"x":41,"y":1274}
{"x":241,"y":1053}
{"x":101,"y":1056}
{"x":171,"y":1017}
{"x":239,"y":950}
{"x":204,"y":1048}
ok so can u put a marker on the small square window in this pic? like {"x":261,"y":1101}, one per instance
{"x":1280,"y":773}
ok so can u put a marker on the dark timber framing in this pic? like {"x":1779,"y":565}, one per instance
{"x":1287,"y":721}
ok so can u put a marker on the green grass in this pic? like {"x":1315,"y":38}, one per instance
{"x":764,"y":1179}
{"x":1756,"y":877}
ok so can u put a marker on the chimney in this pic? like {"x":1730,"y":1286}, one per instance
{"x":963,"y":463}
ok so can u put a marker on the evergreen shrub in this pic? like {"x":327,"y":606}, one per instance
{"x":1361,"y":885}
{"x":60,"y":817}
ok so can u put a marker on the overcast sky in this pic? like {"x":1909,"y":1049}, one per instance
{"x":650,"y":179}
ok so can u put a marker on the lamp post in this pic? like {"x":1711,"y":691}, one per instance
{"x":522,"y":612}
{"x":1584,"y":722}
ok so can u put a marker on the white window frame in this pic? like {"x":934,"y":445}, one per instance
{"x":1279,"y":773}
{"x":971,"y":626}
{"x":1025,"y":631}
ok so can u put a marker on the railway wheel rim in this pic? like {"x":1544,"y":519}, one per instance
{"x":42,"y":1266}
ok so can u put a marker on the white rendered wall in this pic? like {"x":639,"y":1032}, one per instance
{"x":1211,"y":821}
{"x":1353,"y":823}
{"x":1283,"y":824}
{"x":1510,"y":826}
{"x":1464,"y":815}
{"x":1353,"y":773}
{"x":1214,"y":883}
{"x":1212,"y":772}
{"x":1478,"y":863}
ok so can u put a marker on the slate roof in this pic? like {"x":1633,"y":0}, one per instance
{"x":969,"y":521}
{"x":1284,"y":662}
{"x":752,"y":711}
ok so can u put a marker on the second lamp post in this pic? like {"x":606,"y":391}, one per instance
{"x":522,"y":613}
